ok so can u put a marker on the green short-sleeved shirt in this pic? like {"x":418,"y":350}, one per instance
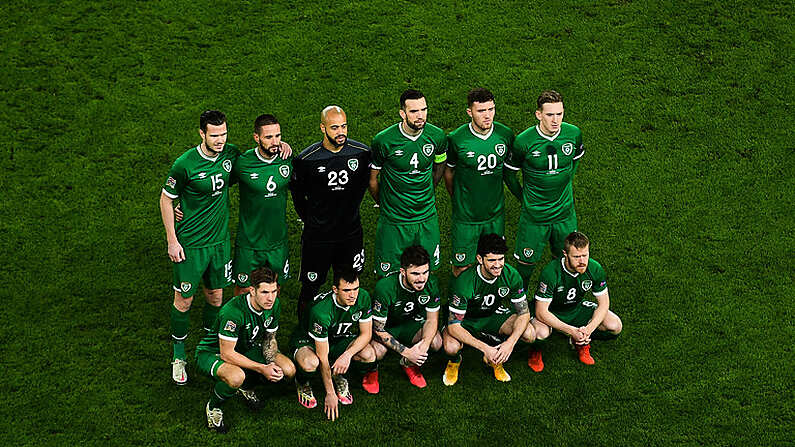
{"x":565,"y":290}
{"x":329,"y":321}
{"x":406,"y":191}
{"x":476,"y":297}
{"x":263,"y":199}
{"x":478,"y":181}
{"x":201,"y":184}
{"x":548,"y":165}
{"x":238,"y":321}
{"x":396,"y":305}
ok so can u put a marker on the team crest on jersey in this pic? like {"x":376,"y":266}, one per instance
{"x":423,"y":299}
{"x":284,"y":170}
{"x":171,"y":182}
{"x":185,"y":286}
{"x":356,"y":316}
{"x":230,"y":326}
{"x":503,"y":291}
{"x":567,"y":148}
{"x":241,"y":278}
{"x":312,"y":276}
{"x":527,"y":252}
{"x":460,"y":257}
{"x":268,"y":321}
{"x":353,"y":164}
{"x":586,"y":285}
{"x":427,"y":149}
{"x":500,"y":149}
{"x":385,"y":266}
{"x":227,"y":165}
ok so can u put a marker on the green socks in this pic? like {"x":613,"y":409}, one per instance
{"x":302,"y":376}
{"x":364,"y":368}
{"x":525,"y":271}
{"x":603,"y":335}
{"x":455,"y":358}
{"x":221,"y":392}
{"x":180,"y":321}
{"x":208,"y":315}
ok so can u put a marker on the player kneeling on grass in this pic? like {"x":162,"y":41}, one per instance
{"x":406,"y":314}
{"x":560,"y":301}
{"x":478,"y":317}
{"x":328,"y":333}
{"x":243,"y":340}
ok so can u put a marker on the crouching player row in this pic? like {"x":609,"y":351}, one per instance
{"x":241,"y":346}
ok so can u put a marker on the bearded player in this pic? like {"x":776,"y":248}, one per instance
{"x":406,"y":314}
{"x":560,"y":302}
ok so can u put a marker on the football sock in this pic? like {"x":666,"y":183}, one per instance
{"x":525,"y":271}
{"x":179,"y":331}
{"x":221,"y":392}
{"x":603,"y":335}
{"x":455,"y":358}
{"x":208,"y":315}
{"x":302,"y":376}
{"x":363,"y":368}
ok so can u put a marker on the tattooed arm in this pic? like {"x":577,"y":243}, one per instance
{"x":413,"y":354}
{"x":269,"y":347}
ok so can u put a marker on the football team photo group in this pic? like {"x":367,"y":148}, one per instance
{"x":493,"y":306}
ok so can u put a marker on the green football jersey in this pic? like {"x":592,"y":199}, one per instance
{"x":565,"y":290}
{"x":478,"y":161}
{"x":406,"y":192}
{"x":237,"y":321}
{"x":201,"y":184}
{"x":263,"y":199}
{"x":477,"y":297}
{"x":329,"y":321}
{"x":395,"y":304}
{"x":548,"y":165}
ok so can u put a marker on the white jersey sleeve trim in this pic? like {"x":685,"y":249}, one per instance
{"x":452,"y":165}
{"x":520,"y":299}
{"x":541,"y":298}
{"x":433,"y":310}
{"x":370,"y":318}
{"x":375,"y":166}
{"x":227,"y":338}
{"x":579,"y":156}
{"x":600,"y":293}
{"x":273,"y":330}
{"x":507,"y":165}
{"x":169,"y":195}
{"x":458,"y":311}
{"x":317,"y":338}
{"x":381,"y":319}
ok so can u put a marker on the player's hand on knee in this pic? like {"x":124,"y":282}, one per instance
{"x":415,"y":355}
{"x":175,"y":252}
{"x":272,"y":372}
{"x":491,"y":354}
{"x":341,"y":365}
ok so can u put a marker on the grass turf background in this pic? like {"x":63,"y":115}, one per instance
{"x":686,"y":190}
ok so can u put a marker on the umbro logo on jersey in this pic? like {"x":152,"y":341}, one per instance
{"x":202,"y":175}
{"x":321,"y":169}
{"x":284,"y":170}
{"x":500,"y":149}
{"x":586,"y":285}
{"x":312,"y":276}
{"x":535,"y":153}
{"x":353,"y":164}
{"x":567,"y":148}
{"x":227,"y":165}
{"x":470,"y":154}
{"x":399,"y":152}
{"x":254,"y":176}
{"x":427,"y":149}
{"x":503,"y":291}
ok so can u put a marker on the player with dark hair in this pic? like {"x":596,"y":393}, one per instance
{"x":409,"y":156}
{"x":547,"y":154}
{"x":406,"y":314}
{"x":198,"y":245}
{"x":333,"y":336}
{"x":242,"y":340}
{"x":560,"y":301}
{"x":479,"y":316}
{"x":474,"y":177}
{"x":262,"y":230}
{"x":328,"y":184}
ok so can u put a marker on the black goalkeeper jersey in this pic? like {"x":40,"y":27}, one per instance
{"x":328,"y":188}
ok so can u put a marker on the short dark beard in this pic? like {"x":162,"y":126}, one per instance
{"x":264,"y":150}
{"x":334,"y":141}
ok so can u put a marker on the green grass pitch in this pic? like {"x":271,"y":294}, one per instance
{"x":686,"y":190}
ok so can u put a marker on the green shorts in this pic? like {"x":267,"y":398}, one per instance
{"x":299,"y":339}
{"x":405,"y":332}
{"x":531,"y":238}
{"x":392,"y":238}
{"x":488,"y":327}
{"x":208,"y":362}
{"x":466,"y":236}
{"x":247,"y":259}
{"x":212,"y":264}
{"x":579,"y":316}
